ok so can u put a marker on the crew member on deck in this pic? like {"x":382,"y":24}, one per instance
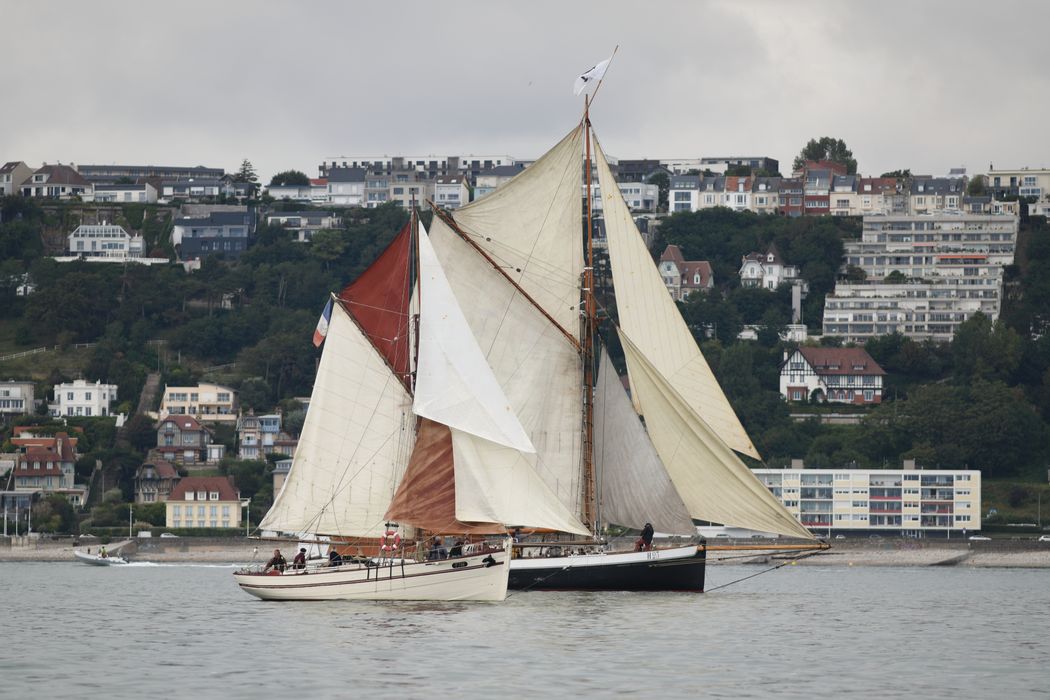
{"x":645,"y":542}
{"x":277,"y":563}
{"x":300,"y":559}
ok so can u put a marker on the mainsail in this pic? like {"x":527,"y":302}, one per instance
{"x":649,"y":317}
{"x":456,"y":389}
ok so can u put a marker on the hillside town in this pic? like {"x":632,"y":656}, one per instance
{"x":927,"y":256}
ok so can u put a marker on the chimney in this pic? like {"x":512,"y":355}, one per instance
{"x":909,"y":465}
{"x":797,"y":464}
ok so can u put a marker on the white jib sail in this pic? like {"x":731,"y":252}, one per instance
{"x":354,"y":445}
{"x":537,"y":367}
{"x":633,"y":486}
{"x":530,"y":227}
{"x":712,"y":481}
{"x":649,"y":317}
{"x":454,"y":383}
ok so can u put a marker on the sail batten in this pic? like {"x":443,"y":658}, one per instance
{"x":649,"y":316}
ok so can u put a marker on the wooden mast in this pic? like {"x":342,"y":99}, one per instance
{"x":590,"y":492}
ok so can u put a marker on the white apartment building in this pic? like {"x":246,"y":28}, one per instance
{"x":346,"y":186}
{"x":907,"y":502}
{"x":451,"y":191}
{"x":105,"y":241}
{"x":16,"y":398}
{"x":81,"y":398}
{"x":205,"y":402}
{"x":949,"y":266}
{"x":1024,"y":182}
{"x":144,"y":193}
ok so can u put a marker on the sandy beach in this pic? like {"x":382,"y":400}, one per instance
{"x":1003,"y":553}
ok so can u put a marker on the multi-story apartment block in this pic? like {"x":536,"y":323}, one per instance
{"x":81,"y":398}
{"x":12,"y":175}
{"x":105,"y":241}
{"x":683,"y":277}
{"x":346,"y":186}
{"x":194,"y":189}
{"x":765,"y":195}
{"x":17,"y":398}
{"x":907,"y":502}
{"x":144,"y":193}
{"x":411,"y":189}
{"x":56,"y":182}
{"x":304,"y":223}
{"x":451,"y":191}
{"x":926,"y":275}
{"x":791,"y":195}
{"x":109,"y":174}
{"x":936,"y":195}
{"x":204,"y":501}
{"x":431,"y":166}
{"x":208,"y":402}
{"x":721,"y":164}
{"x":639,"y":196}
{"x":226,"y":233}
{"x":1024,"y":182}
{"x":835,"y":375}
{"x":637,"y":170}
{"x":489,"y":180}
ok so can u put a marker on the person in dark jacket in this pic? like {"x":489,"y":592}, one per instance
{"x":277,"y":562}
{"x":300,"y":559}
{"x":645,"y":542}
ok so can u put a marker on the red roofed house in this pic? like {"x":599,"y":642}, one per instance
{"x":48,"y":464}
{"x":181,"y":439}
{"x":839,"y":375}
{"x":154,"y":481}
{"x":204,"y":501}
{"x":683,"y":277}
{"x":56,"y":181}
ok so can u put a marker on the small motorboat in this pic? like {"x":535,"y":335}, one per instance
{"x":98,"y":559}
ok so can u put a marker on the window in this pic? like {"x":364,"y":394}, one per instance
{"x":869,"y":395}
{"x":189,"y":496}
{"x":176,"y":522}
{"x":213,"y":512}
{"x":225,"y":511}
{"x":213,"y":496}
{"x":200,"y":511}
{"x":201,"y":496}
{"x":176,"y":511}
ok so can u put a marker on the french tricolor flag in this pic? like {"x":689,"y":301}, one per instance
{"x":322,"y":324}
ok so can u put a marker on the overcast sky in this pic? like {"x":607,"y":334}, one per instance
{"x":920,"y":85}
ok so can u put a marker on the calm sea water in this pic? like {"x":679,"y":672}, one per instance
{"x":181,"y":631}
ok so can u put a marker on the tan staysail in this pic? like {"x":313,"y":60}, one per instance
{"x":649,"y":317}
{"x":537,"y":367}
{"x":632,"y":484}
{"x":354,"y":445}
{"x":530,"y":227}
{"x":710,"y":478}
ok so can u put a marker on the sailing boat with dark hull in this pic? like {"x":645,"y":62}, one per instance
{"x":516,"y":263}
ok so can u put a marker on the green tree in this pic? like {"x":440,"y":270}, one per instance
{"x":898,"y":174}
{"x":896,"y":277}
{"x":827,"y":148}
{"x":246,"y":173}
{"x":289,"y":177}
{"x":977,"y":186}
{"x":985,"y":350}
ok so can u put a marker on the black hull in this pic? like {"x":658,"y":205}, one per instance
{"x":683,"y":574}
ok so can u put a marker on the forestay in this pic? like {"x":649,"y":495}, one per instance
{"x":649,"y":317}
{"x":530,"y":227}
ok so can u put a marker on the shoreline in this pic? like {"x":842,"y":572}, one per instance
{"x":1028,"y":554}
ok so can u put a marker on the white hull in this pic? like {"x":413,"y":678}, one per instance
{"x":96,"y":560}
{"x":479,"y":577}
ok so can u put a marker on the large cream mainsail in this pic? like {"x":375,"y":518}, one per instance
{"x":649,"y":317}
{"x":633,"y":486}
{"x":710,"y":478}
{"x":530,"y":227}
{"x":491,"y":453}
{"x":354,"y":445}
{"x":538,"y":368}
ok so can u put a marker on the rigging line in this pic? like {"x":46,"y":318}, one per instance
{"x":351,"y":302}
{"x":449,"y":221}
{"x":792,"y":560}
{"x":530,"y":259}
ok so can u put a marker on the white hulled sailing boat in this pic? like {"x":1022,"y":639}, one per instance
{"x":383,"y":458}
{"x":515,"y":261}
